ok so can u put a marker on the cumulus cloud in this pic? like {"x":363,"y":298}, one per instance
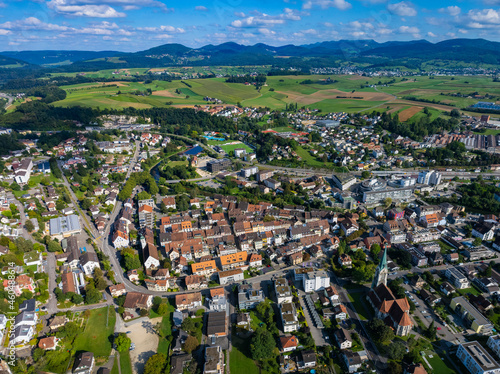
{"x":88,"y":10}
{"x":4,"y":32}
{"x":415,"y":31}
{"x":483,"y":18}
{"x":403,"y":9}
{"x":430,"y":34}
{"x":325,"y":4}
{"x":452,"y":10}
{"x":266,"y":20}
{"x":163,"y":28}
{"x":33,"y":23}
{"x":201,"y":8}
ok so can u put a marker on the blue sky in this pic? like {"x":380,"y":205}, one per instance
{"x":131,"y":25}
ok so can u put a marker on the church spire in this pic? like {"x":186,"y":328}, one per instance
{"x":382,"y":271}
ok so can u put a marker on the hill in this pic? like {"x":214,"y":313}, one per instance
{"x":47,"y":58}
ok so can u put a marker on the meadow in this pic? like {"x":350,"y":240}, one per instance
{"x":348,"y":93}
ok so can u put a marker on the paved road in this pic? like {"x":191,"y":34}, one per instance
{"x":10,"y":99}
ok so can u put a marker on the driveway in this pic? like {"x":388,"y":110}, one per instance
{"x":316,"y":333}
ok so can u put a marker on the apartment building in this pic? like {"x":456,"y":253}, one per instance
{"x":476,"y":359}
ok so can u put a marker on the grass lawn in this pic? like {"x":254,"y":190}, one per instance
{"x":438,"y":364}
{"x":114,"y":370}
{"x":358,"y":300}
{"x":309,"y":159}
{"x":166,"y":330}
{"x":471,"y":290}
{"x":239,"y":360}
{"x":96,"y":337}
{"x":125,"y":363}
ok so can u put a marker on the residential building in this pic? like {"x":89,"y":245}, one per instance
{"x":289,"y":317}
{"x":282,"y":291}
{"x":214,"y":360}
{"x":343,"y":338}
{"x":352,"y":361}
{"x":430,"y":177}
{"x":195,"y":282}
{"x":343,"y":181}
{"x":249,"y":295}
{"x":476,"y":359}
{"x":230,"y":276}
{"x":306,"y":359}
{"x":138,"y":300}
{"x":315,"y":281}
{"x":288,"y":343}
{"x":484,"y":231}
{"x":473,"y":318}
{"x":457,"y":278}
{"x":216,"y":166}
{"x":188,"y":301}
{"x":217,"y":324}
{"x":84,"y":363}
{"x":206,"y":268}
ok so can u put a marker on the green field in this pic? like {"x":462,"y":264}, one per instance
{"x":231,"y":147}
{"x":239,"y":360}
{"x":96,"y":336}
{"x":348,"y":93}
{"x":358,"y":300}
{"x":438,"y":365}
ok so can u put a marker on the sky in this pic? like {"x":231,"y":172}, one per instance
{"x":133,"y":25}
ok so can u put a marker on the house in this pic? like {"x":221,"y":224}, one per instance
{"x":447,"y":288}
{"x":352,"y":361}
{"x":33,"y":258}
{"x":288,"y":343}
{"x":345,"y":260}
{"x":188,"y":301}
{"x":343,"y":338}
{"x":217,"y":299}
{"x":249,"y":296}
{"x":150,"y":256}
{"x":429,"y":298}
{"x":49,"y":343}
{"x":57,"y":322}
{"x":452,"y":257}
{"x":282,"y":291}
{"x":340,"y":312}
{"x":205,"y":268}
{"x":88,"y":262}
{"x":457,"y":278}
{"x":289,"y":317}
{"x":120,"y":239}
{"x":117,"y":290}
{"x":415,"y":369}
{"x":133,"y":275}
{"x":84,"y":363}
{"x":315,"y":280}
{"x":138,"y":300}
{"x":169,"y":202}
{"x":417,"y":281}
{"x":194,"y":282}
{"x":230,"y":276}
{"x":214,"y":360}
{"x":306,"y":359}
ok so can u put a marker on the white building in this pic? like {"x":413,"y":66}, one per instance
{"x":494,"y":344}
{"x":476,"y":359}
{"x":315,"y":281}
{"x":430,"y":177}
{"x":456,"y":277}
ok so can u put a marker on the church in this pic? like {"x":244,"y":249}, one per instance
{"x":394,"y":312}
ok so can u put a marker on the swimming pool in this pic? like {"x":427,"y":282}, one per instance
{"x":214,"y":138}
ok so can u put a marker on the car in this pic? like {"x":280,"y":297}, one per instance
{"x":439,"y":328}
{"x":423,"y":311}
{"x":43,"y":308}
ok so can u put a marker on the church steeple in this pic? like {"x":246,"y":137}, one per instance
{"x":382,"y":271}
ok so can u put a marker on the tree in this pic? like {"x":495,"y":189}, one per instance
{"x":395,"y":368}
{"x":431,"y":331}
{"x":380,"y":331}
{"x":262,"y":344}
{"x":156,"y":364}
{"x":86,"y":204}
{"x":163,"y":208}
{"x":92,"y":296}
{"x":396,"y":351}
{"x":29,"y":226}
{"x":162,"y":309}
{"x":375,"y":250}
{"x":77,"y":299}
{"x":143,"y":195}
{"x":365,"y":174}
{"x":387,"y":202}
{"x":190,"y":344}
{"x":187,"y":324}
{"x":54,"y":246}
{"x":122,"y":342}
{"x":477,"y":242}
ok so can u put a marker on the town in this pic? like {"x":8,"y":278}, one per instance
{"x":331,"y":244}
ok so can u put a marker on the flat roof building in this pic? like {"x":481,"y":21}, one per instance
{"x":476,"y":359}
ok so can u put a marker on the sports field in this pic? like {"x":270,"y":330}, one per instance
{"x":349,"y":93}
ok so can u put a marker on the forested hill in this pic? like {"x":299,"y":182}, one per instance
{"x":412,"y":54}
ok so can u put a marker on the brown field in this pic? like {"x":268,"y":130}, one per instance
{"x":332,"y":94}
{"x":165,"y":93}
{"x":395,"y":108}
{"x":406,"y":114}
{"x":356,"y":78}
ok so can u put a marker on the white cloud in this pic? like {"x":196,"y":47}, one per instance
{"x":430,"y":34}
{"x":33,"y":23}
{"x":325,"y":4}
{"x":403,"y":9}
{"x":163,"y":28}
{"x":485,"y":16}
{"x":452,"y":10}
{"x":4,"y":32}
{"x":462,"y":31}
{"x":201,"y":8}
{"x":410,"y":30}
{"x":266,"y":20}
{"x":97,"y":11}
{"x":265,"y":31}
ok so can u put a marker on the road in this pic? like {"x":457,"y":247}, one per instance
{"x":10,"y":99}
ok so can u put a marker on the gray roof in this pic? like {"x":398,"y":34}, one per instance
{"x":61,"y":225}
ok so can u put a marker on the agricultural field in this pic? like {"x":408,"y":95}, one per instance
{"x":344,"y":93}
